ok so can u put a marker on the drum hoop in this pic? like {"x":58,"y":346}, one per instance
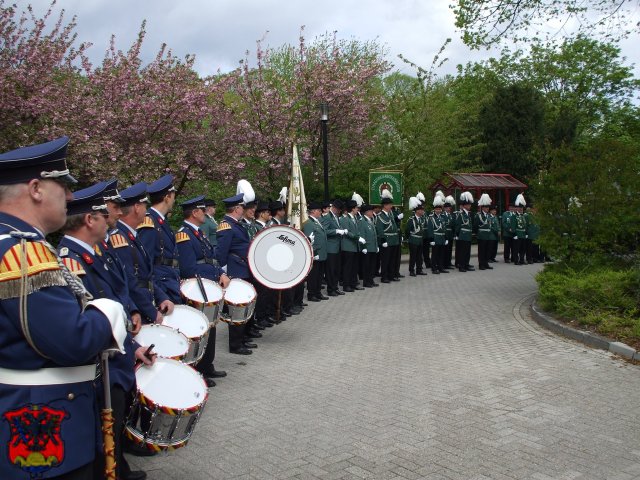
{"x":250,"y":255}
{"x":241,"y":281}
{"x":174,"y":412}
{"x":189,"y":308}
{"x":134,"y":436}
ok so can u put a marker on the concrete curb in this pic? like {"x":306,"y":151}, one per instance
{"x":545,"y":320}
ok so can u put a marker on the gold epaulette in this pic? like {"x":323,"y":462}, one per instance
{"x":223,"y":226}
{"x":182,"y":237}
{"x":118,"y":241}
{"x":74,"y":266}
{"x":147,"y":223}
{"x":38,"y":259}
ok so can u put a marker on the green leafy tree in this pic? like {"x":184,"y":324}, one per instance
{"x":512,"y":124}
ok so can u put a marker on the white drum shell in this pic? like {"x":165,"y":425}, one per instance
{"x":194,"y":325}
{"x":190,"y":290}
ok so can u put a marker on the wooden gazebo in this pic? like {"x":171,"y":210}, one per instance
{"x":501,"y":187}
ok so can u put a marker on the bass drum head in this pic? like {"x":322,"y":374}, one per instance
{"x":280,"y":257}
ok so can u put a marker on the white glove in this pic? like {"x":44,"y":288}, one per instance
{"x":114,"y":312}
{"x":364,"y":250}
{"x":446,"y":242}
{"x":341,"y":232}
{"x":455,"y":238}
{"x":515,"y":237}
{"x":362,"y":240}
{"x":312,"y":237}
{"x":401,"y":216}
{"x":385,"y":245}
{"x":224,"y":269}
{"x":317,"y":257}
{"x":526,"y":236}
{"x":433,"y":244}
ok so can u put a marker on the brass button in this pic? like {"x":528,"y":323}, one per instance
{"x":70,"y":396}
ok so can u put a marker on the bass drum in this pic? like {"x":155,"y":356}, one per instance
{"x":280,"y":257}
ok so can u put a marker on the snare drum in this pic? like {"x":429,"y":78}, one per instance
{"x":194,"y":325}
{"x":240,"y":299}
{"x":190,"y":291}
{"x":168,"y":342}
{"x":173,"y":395}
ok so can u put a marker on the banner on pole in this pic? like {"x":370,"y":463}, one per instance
{"x":297,"y":203}
{"x":392,"y":180}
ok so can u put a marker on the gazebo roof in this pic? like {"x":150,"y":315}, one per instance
{"x":485,"y":180}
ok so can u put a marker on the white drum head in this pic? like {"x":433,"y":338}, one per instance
{"x":193,"y":323}
{"x":280,"y":257}
{"x":171,"y":384}
{"x":191,"y":290}
{"x":168,"y":342}
{"x":239,"y":292}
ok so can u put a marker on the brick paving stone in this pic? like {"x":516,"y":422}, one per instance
{"x":436,"y":377}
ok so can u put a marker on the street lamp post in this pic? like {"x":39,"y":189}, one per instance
{"x":324,"y":120}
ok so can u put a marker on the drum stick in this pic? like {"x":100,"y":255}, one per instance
{"x":147,"y":352}
{"x":202,"y":290}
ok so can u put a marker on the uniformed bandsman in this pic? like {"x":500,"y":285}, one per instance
{"x":495,"y":233}
{"x":519,"y":227}
{"x":370,"y":250}
{"x":210,"y":225}
{"x":232,"y":250}
{"x":50,"y":332}
{"x":482,"y":227}
{"x":464,"y":232}
{"x":197,"y":259}
{"x":449,"y":203}
{"x":388,"y":239}
{"x":158,"y":239}
{"x":315,"y":232}
{"x":265,"y":295}
{"x":334,"y":233}
{"x":81,"y":250}
{"x":350,"y":248}
{"x":507,"y":236}
{"x":278,"y":217}
{"x":436,"y":226}
{"x":415,"y":234}
{"x":145,"y":289}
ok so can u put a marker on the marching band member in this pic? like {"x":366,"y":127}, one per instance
{"x":231,"y":253}
{"x":334,"y":233}
{"x":157,"y":238}
{"x":145,"y":291}
{"x":436,"y":226}
{"x":210,"y":225}
{"x":388,"y":239}
{"x":482,"y":227}
{"x":350,"y":248}
{"x":370,"y":250}
{"x":464,"y":231}
{"x":197,"y":258}
{"x":51,"y":331}
{"x":416,"y":235}
{"x":85,"y":229}
{"x":314,"y":231}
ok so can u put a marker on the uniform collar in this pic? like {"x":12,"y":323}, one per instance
{"x":159,"y":214}
{"x":132,"y":231}
{"x":195,"y":227}
{"x":79,"y":242}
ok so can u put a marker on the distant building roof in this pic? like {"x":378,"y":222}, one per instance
{"x":482,"y":180}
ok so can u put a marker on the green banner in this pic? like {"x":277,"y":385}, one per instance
{"x":391,"y":180}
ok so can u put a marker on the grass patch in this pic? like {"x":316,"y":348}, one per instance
{"x":603,"y":299}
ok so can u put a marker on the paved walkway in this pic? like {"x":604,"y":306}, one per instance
{"x":436,"y":377}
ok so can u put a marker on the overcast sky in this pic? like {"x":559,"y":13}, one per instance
{"x":219,"y":32}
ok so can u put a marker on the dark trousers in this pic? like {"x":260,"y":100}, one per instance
{"x":508,"y":247}
{"x":398,"y":258}
{"x":333,"y":271}
{"x":519,"y":250}
{"x":437,"y":257}
{"x":426,"y":246}
{"x":236,"y":337}
{"x":205,"y":365}
{"x":349,"y":269}
{"x":298,"y":294}
{"x":378,"y":264}
{"x":386,"y":271}
{"x":533,"y":252}
{"x":415,"y":258}
{"x":448,"y":253}
{"x":483,"y":253}
{"x":262,"y":301}
{"x":361,"y":263}
{"x":370,"y":261}
{"x":493,"y":249}
{"x":314,"y":279}
{"x":463,"y":255}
